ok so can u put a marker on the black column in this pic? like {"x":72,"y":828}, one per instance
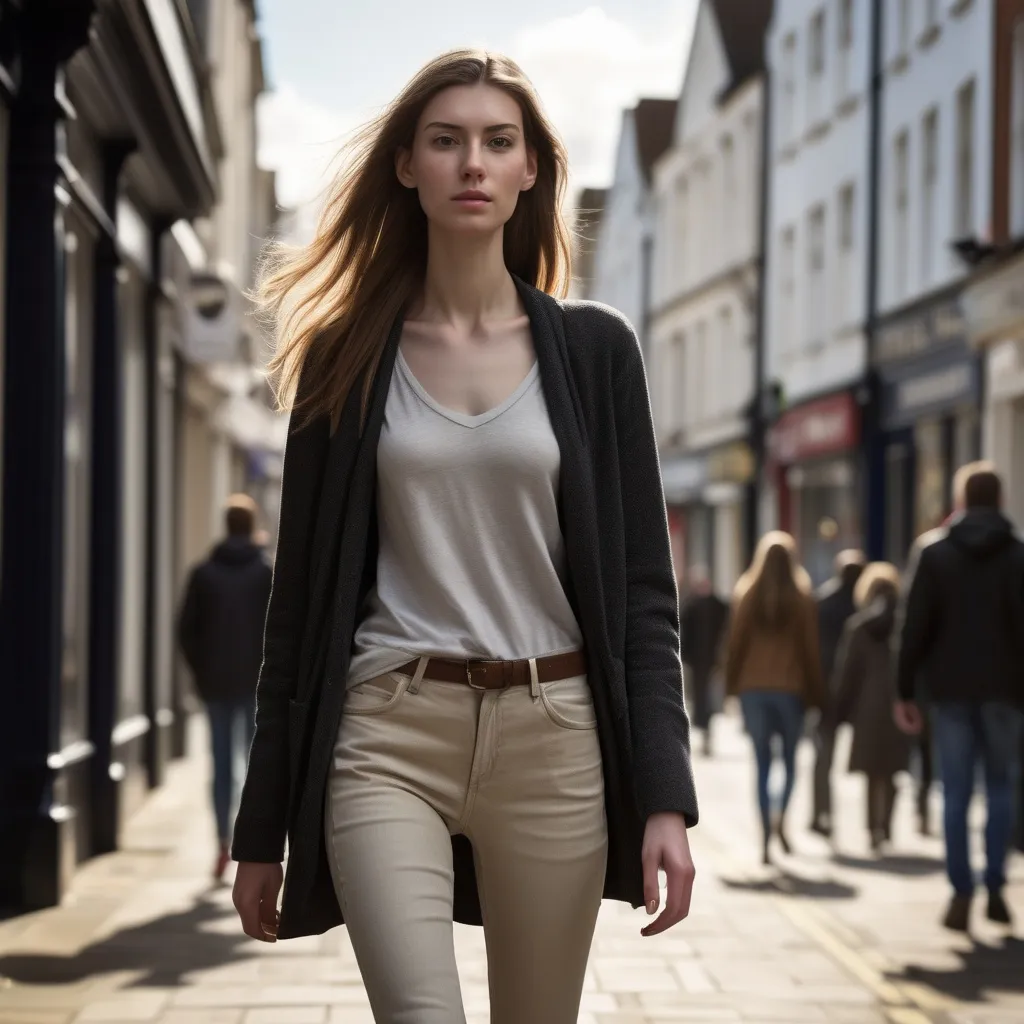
{"x":106,"y":539}
{"x":33,"y":820}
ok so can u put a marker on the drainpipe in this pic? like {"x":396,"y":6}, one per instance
{"x":757,"y":421}
{"x":869,"y":393}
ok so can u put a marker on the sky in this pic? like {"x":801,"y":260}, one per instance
{"x":330,"y":66}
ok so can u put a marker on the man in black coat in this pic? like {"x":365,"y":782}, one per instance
{"x":962,"y":643}
{"x":702,"y":623}
{"x":835,"y":606}
{"x":221,"y":635}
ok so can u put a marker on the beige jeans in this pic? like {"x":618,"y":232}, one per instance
{"x":518,"y":771}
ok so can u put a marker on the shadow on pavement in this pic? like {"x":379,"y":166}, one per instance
{"x":894,"y":864}
{"x":162,"y":950}
{"x":983,"y":969}
{"x":794,"y":885}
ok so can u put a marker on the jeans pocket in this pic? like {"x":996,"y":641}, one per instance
{"x":376,"y":696}
{"x":568,"y":703}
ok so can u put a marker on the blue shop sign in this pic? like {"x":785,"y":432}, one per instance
{"x":939,"y":383}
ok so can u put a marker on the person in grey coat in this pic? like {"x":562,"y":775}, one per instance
{"x":835,"y":606}
{"x":863,"y":695}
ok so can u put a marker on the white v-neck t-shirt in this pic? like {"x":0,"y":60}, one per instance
{"x":471,"y":561}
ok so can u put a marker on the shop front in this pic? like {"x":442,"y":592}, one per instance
{"x":730,"y":469}
{"x":930,"y":397}
{"x":813,"y":458}
{"x":684,"y":478}
{"x":994,"y":312}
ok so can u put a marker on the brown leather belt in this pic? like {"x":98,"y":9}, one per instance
{"x":497,"y":675}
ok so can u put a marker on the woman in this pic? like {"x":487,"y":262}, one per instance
{"x":471,"y":699}
{"x":863,"y":686}
{"x":773,"y":665}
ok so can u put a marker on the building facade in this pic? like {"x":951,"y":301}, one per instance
{"x":622,"y":262}
{"x":994,"y":299}
{"x":935,"y":188}
{"x":705,"y":296}
{"x":586,"y":229}
{"x":815,"y":353}
{"x":112,"y":148}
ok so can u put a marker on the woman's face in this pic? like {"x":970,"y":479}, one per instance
{"x":469,"y":160}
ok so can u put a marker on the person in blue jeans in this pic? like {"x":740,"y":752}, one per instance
{"x":961,"y":647}
{"x":773,"y":665}
{"x":220,"y":631}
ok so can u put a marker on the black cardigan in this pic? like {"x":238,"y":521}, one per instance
{"x":622,"y":589}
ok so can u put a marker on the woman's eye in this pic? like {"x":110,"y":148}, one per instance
{"x":501,"y":142}
{"x":445,"y":141}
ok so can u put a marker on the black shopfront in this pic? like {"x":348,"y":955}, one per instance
{"x":103,"y":155}
{"x":929,"y":390}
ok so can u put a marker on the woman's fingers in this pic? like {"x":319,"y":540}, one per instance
{"x":680,"y":874}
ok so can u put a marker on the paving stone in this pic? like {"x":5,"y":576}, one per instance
{"x":287,"y":1015}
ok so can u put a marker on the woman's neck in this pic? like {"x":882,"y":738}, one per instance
{"x":467,"y":283}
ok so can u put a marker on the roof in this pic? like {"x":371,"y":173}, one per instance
{"x":591,"y":201}
{"x":742,"y":25}
{"x":654,"y":121}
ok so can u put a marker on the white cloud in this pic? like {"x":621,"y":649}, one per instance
{"x":299,"y":139}
{"x":588,"y":67}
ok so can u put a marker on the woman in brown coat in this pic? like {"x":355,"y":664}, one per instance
{"x":772,"y":664}
{"x":864,"y":695}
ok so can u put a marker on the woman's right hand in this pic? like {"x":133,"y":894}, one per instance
{"x":255,"y":898}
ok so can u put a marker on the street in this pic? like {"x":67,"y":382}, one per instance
{"x":840,"y":938}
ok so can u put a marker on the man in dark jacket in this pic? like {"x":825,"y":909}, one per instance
{"x":835,"y":606}
{"x":701,"y":626}
{"x":221,"y":635}
{"x":962,"y":643}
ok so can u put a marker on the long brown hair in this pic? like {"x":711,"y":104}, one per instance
{"x":775,"y":583}
{"x":330,"y":304}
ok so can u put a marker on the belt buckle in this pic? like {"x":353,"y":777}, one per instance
{"x":469,"y":675}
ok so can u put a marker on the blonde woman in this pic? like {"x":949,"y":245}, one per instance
{"x":471,"y":701}
{"x":773,"y":664}
{"x":864,"y":694}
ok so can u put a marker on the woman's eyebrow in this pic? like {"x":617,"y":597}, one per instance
{"x":459,"y":128}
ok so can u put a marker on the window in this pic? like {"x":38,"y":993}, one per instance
{"x":1017,"y":130}
{"x":816,"y":68}
{"x":816,"y":276}
{"x":904,"y":26}
{"x":788,"y":105}
{"x":846,"y":262}
{"x":932,"y":13}
{"x":675,"y":384}
{"x":787,"y":291}
{"x":901,"y":212}
{"x":730,"y":196}
{"x":929,"y":188}
{"x":728,"y":363}
{"x":844,"y":64}
{"x":680,"y":233}
{"x":964,"y":213}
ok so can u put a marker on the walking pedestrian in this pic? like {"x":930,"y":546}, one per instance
{"x":962,"y":648}
{"x":220,"y":631}
{"x":835,"y":606}
{"x":862,"y":691}
{"x":702,"y":626}
{"x":471,"y":704}
{"x":773,"y":665}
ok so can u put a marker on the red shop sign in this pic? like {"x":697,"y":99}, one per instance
{"x":821,"y":427}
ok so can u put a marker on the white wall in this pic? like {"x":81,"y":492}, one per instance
{"x":817,"y":152}
{"x":925,"y":69}
{"x":618,"y":254}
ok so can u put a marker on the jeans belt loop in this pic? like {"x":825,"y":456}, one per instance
{"x":534,"y":679}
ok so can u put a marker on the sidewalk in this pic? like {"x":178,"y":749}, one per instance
{"x":840,"y":940}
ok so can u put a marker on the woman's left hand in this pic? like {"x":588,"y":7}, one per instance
{"x":666,"y":846}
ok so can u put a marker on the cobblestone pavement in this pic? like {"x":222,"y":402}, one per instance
{"x":825,"y":935}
